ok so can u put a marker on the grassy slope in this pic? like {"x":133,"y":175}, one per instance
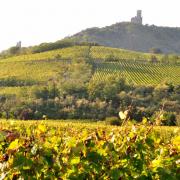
{"x":42,"y":66}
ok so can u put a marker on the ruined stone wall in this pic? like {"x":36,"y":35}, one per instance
{"x":137,"y":19}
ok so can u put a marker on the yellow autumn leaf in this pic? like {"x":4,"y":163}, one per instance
{"x":14,"y":145}
{"x":42,"y":128}
{"x":75,"y":160}
{"x":156,"y":163}
{"x":176,"y":140}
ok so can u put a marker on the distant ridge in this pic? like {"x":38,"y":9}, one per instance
{"x":133,"y":36}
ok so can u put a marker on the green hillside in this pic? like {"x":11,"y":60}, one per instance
{"x":23,"y":73}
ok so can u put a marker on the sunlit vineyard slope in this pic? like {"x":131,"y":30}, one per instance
{"x":27,"y":71}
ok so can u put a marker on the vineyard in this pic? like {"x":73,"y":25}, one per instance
{"x":38,"y":69}
{"x":67,"y":150}
{"x":138,"y":72}
{"x":81,"y":51}
{"x":102,"y":53}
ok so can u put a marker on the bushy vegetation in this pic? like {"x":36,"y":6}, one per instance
{"x":15,"y":50}
{"x":59,"y":45}
{"x":95,"y":100}
{"x":113,"y":121}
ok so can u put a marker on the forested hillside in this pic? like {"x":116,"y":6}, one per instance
{"x":131,"y":36}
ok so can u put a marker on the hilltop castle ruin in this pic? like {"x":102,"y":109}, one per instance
{"x":138,"y":18}
{"x":18,"y":45}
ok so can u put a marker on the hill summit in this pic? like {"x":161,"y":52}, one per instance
{"x":133,"y":36}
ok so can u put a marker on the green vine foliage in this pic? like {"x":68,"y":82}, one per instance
{"x":65,"y":150}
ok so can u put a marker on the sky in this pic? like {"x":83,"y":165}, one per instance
{"x":37,"y":21}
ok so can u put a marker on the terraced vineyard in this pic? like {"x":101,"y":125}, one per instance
{"x":138,"y":72}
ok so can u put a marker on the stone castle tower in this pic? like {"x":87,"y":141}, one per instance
{"x":138,"y":18}
{"x":18,"y":44}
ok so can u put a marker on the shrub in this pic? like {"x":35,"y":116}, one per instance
{"x":153,"y":59}
{"x":155,"y":51}
{"x":178,"y":120}
{"x":110,"y":58}
{"x":26,"y":114}
{"x":169,"y":119}
{"x":113,"y":121}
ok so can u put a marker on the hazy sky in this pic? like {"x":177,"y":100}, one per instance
{"x":37,"y":21}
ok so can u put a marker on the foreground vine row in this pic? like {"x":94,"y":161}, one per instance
{"x":65,"y":150}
